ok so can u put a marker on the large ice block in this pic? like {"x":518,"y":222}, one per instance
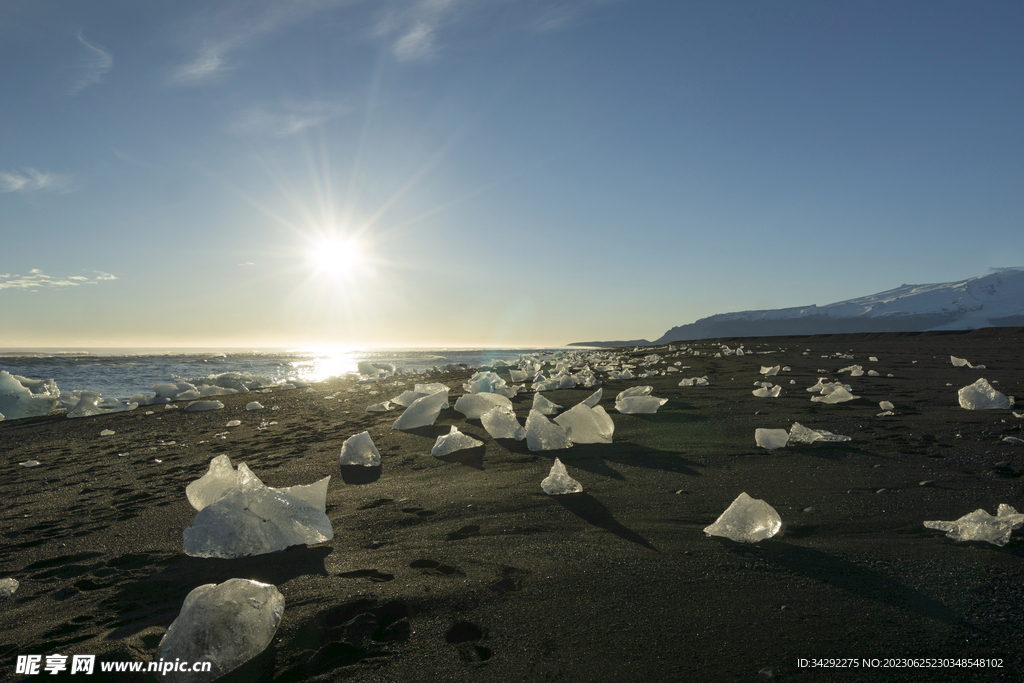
{"x":544,"y":435}
{"x":543,"y":405}
{"x":558,"y":482}
{"x":475,"y":405}
{"x":982,"y":396}
{"x":423,"y":411}
{"x":252,"y":519}
{"x":746,"y":520}
{"x":588,"y":425}
{"x":225,"y":624}
{"x":23,"y":397}
{"x":360,"y":450}
{"x":501,"y":423}
{"x":637,"y":400}
{"x":771,"y":438}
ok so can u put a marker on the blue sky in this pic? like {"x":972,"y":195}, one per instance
{"x":511,"y":172}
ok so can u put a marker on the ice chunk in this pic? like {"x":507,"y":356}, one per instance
{"x":488,"y":383}
{"x":454,"y":440}
{"x":314,"y":495}
{"x":234,"y":423}
{"x":981,"y":396}
{"x":30,"y":463}
{"x":218,"y":480}
{"x":747,"y":520}
{"x":423,"y":411}
{"x":800,"y":434}
{"x":23,"y":397}
{"x":854,"y":370}
{"x":253,"y":519}
{"x":981,"y":526}
{"x":558,"y":482}
{"x":960,"y":362}
{"x":544,"y":406}
{"x":771,"y":438}
{"x":91,"y":403}
{"x":587,"y":425}
{"x":544,"y":435}
{"x":225,"y":624}
{"x":592,"y":400}
{"x":203,"y":405}
{"x":475,"y":405}
{"x":694,"y":382}
{"x":886,"y":405}
{"x":107,"y":432}
{"x":501,"y":423}
{"x":431,"y":388}
{"x":254,"y":405}
{"x":360,"y":450}
{"x":769,"y":371}
{"x":8,"y":586}
{"x":838,"y":395}
{"x":380,"y":407}
{"x":636,"y":400}
{"x":407,"y":398}
{"x":768,"y":391}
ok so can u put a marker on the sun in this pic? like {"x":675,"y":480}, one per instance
{"x":335,"y":257}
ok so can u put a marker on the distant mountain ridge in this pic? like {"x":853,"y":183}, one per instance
{"x":994,"y":300}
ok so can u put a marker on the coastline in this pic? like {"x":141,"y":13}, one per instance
{"x":480,"y":576}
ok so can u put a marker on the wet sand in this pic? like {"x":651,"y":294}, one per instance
{"x":462,"y":569}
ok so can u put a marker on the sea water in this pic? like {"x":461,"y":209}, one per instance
{"x":123,"y":372}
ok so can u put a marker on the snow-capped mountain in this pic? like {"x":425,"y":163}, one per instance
{"x":995,"y":300}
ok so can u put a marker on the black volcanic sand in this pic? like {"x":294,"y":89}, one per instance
{"x":462,"y":569}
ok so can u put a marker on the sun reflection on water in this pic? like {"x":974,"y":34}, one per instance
{"x":322,"y":364}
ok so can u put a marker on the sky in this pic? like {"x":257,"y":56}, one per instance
{"x":498,"y":173}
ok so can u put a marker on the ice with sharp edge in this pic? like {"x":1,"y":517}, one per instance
{"x":586,"y":424}
{"x":543,"y":405}
{"x":501,"y":423}
{"x":225,"y":624}
{"x":423,"y":411}
{"x":637,"y":400}
{"x":473,"y":406}
{"x":544,"y":435}
{"x":360,"y":450}
{"x":23,"y":397}
{"x":558,"y":482}
{"x":982,"y":396}
{"x":981,"y":526}
{"x":800,"y":434}
{"x":746,"y":520}
{"x":253,"y":519}
{"x":454,"y":440}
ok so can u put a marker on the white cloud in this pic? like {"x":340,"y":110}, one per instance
{"x":32,"y":180}
{"x":418,"y":43}
{"x":93,"y":66}
{"x":207,"y":64}
{"x":286,"y":119}
{"x":37,"y":279}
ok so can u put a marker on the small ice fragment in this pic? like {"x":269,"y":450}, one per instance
{"x":8,"y":586}
{"x":770,"y":371}
{"x":543,"y":405}
{"x":558,"y":482}
{"x":769,"y":391}
{"x":800,"y":434}
{"x":839,"y":395}
{"x":872,"y":359}
{"x":694,"y":382}
{"x":981,"y":526}
{"x":254,"y":405}
{"x":886,"y":405}
{"x":981,"y":396}
{"x":234,"y":423}
{"x":380,"y":407}
{"x":501,"y":423}
{"x":959,"y":362}
{"x":107,"y":432}
{"x":224,"y":624}
{"x":637,"y":400}
{"x":360,"y":450}
{"x":746,"y":520}
{"x":771,"y":438}
{"x":454,"y":440}
{"x":30,"y":463}
{"x":203,"y":405}
{"x":544,"y":435}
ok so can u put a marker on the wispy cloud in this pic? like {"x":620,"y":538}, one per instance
{"x":286,"y":119}
{"x":37,"y":279}
{"x":236,"y":26}
{"x":32,"y":180}
{"x":557,"y":15}
{"x":93,"y":66}
{"x":414,"y":29}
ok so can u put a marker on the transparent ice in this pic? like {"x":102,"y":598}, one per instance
{"x":475,"y":405}
{"x":225,"y":624}
{"x":558,"y":482}
{"x":501,"y":423}
{"x":360,"y":450}
{"x":544,"y":435}
{"x":22,"y":397}
{"x":454,"y":440}
{"x":423,"y":411}
{"x":636,"y":400}
{"x":544,"y":406}
{"x":981,"y":396}
{"x":587,"y":425}
{"x":746,"y":520}
{"x":981,"y":526}
{"x":800,"y":434}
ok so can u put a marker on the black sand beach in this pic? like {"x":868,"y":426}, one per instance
{"x":462,"y":569}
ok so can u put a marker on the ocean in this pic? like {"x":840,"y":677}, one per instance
{"x":121,"y":373}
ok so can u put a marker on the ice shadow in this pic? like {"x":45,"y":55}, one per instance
{"x":360,"y":474}
{"x":860,"y":581}
{"x":156,"y":599}
{"x":592,"y":511}
{"x":470,"y":457}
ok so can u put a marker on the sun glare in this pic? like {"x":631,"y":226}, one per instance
{"x":334,"y":256}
